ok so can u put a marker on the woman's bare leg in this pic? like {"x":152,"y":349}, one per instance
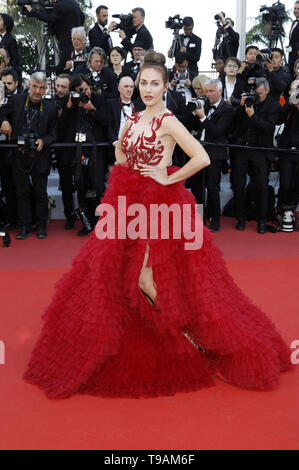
{"x":146,"y":279}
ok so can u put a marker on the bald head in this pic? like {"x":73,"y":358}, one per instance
{"x":126,"y":88}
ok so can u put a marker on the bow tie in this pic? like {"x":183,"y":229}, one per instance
{"x":212,"y":107}
{"x":126,"y":104}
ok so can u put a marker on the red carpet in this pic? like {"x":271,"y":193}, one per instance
{"x":222,"y":417}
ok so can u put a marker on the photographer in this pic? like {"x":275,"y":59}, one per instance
{"x":213,"y":120}
{"x":233,"y":86}
{"x":65,"y":15}
{"x":181,"y":77}
{"x":257,"y":117}
{"x":9,"y":78}
{"x":289,"y":139}
{"x":251,"y":67}
{"x":277,"y":76}
{"x":143,"y":34}
{"x":30,"y":121}
{"x":70,"y":59}
{"x":8,"y":42}
{"x":293,"y":47}
{"x":190,"y":44}
{"x":102,"y":79}
{"x":99,"y":35}
{"x":131,"y":69}
{"x":85,"y":119}
{"x":229,"y":45}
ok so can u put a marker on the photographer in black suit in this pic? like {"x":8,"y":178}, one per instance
{"x":72,"y":58}
{"x":233,"y":85}
{"x":190,"y":44}
{"x":278,"y":77}
{"x":143,"y":34}
{"x":8,"y":42}
{"x":293,"y":47}
{"x":65,"y":15}
{"x":230,"y":43}
{"x":34,"y":119}
{"x":85,"y":119}
{"x":256,"y":119}
{"x":99,"y":35}
{"x":214,"y":121}
{"x":103,"y":80}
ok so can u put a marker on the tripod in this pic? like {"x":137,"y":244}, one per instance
{"x":276,"y":33}
{"x":176,"y":44}
{"x":42,"y":55}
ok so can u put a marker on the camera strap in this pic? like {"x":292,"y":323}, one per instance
{"x":35,"y":112}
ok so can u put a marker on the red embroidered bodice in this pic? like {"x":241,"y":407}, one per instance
{"x":143,"y":150}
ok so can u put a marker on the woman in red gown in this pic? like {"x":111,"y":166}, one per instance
{"x":150,"y":315}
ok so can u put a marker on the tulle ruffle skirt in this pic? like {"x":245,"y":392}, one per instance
{"x":102,"y":337}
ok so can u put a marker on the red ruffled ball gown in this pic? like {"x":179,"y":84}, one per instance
{"x":102,"y":337}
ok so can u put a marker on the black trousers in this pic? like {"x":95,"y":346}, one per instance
{"x":8,"y":188}
{"x":213,"y":179}
{"x":289,"y":179}
{"x":92,"y":180}
{"x":255,"y":164}
{"x":23,"y":181}
{"x":66,"y":184}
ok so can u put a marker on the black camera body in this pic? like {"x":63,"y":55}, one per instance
{"x":252,"y":97}
{"x":264,"y":55}
{"x":217,"y":17}
{"x":174,"y":22}
{"x":78,"y":97}
{"x":27,"y":144}
{"x":126,"y":24}
{"x":274,"y":14}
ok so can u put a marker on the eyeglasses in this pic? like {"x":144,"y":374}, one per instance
{"x":232,"y":66}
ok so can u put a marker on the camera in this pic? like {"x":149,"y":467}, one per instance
{"x":126,"y":24}
{"x":252,"y":97}
{"x":174,"y":22}
{"x":274,"y":14}
{"x":198,"y":103}
{"x":217,"y":17}
{"x":264,"y":55}
{"x":27,"y":144}
{"x":78,"y":97}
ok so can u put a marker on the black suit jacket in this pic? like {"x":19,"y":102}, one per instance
{"x":65,"y":15}
{"x":108,"y":80}
{"x":294,"y":43}
{"x":130,"y":69}
{"x":238,"y":89}
{"x":193,"y":50}
{"x":114,"y":111}
{"x":230,"y":44}
{"x":99,"y":39}
{"x":14,"y":113}
{"x":143,"y":35}
{"x":9,"y":43}
{"x":280,"y":81}
{"x":70,"y":124}
{"x":217,"y":128}
{"x":66,"y":55}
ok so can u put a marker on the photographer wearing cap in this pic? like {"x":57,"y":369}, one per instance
{"x":85,"y":119}
{"x":278,"y":77}
{"x":256,"y":119}
{"x":143,"y":34}
{"x":65,"y":15}
{"x":230,"y":43}
{"x":30,"y":121}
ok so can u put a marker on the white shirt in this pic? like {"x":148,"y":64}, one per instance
{"x":210,"y":112}
{"x":229,"y":88}
{"x":126,"y":112}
